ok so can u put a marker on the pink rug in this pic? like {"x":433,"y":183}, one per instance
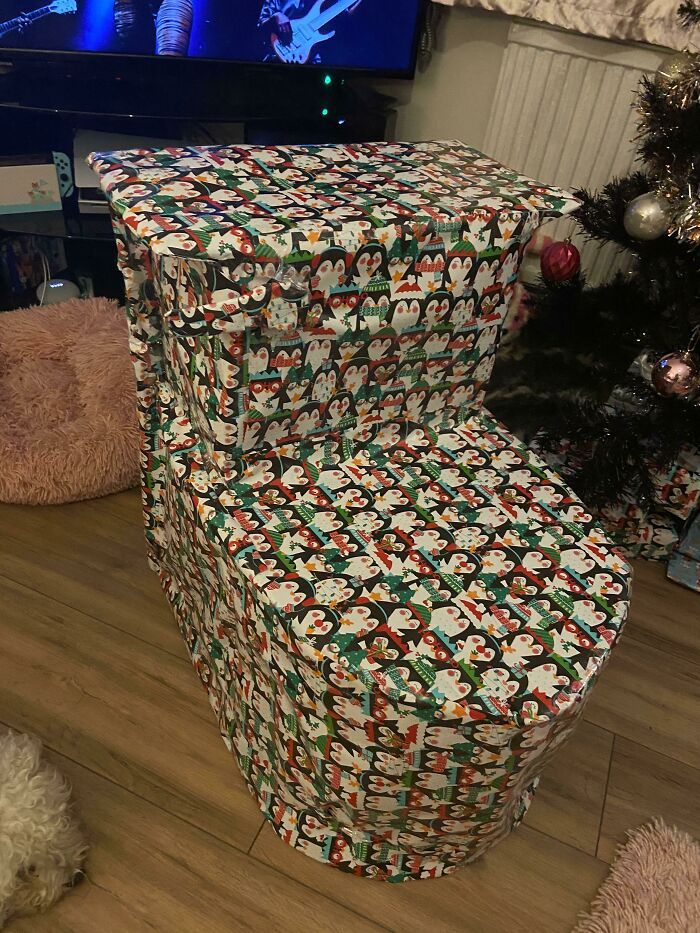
{"x":68,"y":427}
{"x":653,"y":886}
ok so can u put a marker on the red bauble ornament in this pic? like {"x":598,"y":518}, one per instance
{"x":676,"y":374}
{"x":560,"y":261}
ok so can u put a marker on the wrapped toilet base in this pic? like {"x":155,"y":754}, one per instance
{"x":345,"y":774}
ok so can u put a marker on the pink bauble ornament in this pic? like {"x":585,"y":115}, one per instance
{"x":560,"y":261}
{"x":676,"y":374}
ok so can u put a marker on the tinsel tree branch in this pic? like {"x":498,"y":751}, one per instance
{"x":601,"y":324}
{"x":669,"y":134}
{"x":689,"y":13}
{"x":601,"y":216}
{"x":616,"y":450}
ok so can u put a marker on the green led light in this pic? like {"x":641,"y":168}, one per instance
{"x":327,"y":79}
{"x":324,"y":112}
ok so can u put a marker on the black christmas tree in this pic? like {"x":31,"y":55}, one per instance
{"x":611,"y":371}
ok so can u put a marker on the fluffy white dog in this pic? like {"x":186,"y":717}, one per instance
{"x":42,"y":846}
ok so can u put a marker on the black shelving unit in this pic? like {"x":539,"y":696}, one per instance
{"x":44,"y":102}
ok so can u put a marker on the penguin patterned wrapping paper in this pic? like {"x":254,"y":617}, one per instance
{"x":396,"y":608}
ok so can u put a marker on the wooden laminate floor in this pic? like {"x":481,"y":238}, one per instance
{"x":92,"y":662}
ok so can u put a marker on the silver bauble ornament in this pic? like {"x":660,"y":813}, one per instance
{"x":673,"y":65}
{"x":647,"y":217}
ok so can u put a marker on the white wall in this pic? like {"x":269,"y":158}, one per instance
{"x":549,"y":103}
{"x":453,"y":98}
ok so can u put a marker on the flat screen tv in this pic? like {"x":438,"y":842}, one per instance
{"x":367,"y":35}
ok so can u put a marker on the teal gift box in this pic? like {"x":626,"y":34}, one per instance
{"x":684,"y":565}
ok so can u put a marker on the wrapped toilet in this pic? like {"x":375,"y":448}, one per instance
{"x":397,"y":610}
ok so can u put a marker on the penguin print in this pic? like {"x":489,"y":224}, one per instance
{"x":265,"y":394}
{"x":406,"y":314}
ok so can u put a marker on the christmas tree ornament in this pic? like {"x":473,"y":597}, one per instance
{"x":683,"y":91}
{"x":647,"y":217}
{"x":560,"y":261}
{"x":673,"y":66}
{"x":677,"y":375}
{"x":679,"y":75}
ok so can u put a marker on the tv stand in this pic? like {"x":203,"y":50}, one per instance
{"x":44,"y":102}
{"x":187,"y":90}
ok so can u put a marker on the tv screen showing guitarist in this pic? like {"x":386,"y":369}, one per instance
{"x":372,"y":34}
{"x":295,"y":29}
{"x":24,"y":20}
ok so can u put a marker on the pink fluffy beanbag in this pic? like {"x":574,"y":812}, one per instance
{"x":68,"y":426}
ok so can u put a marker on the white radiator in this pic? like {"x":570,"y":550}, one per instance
{"x":563,"y":113}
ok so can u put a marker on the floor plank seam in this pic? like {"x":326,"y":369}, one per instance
{"x":87,"y":615}
{"x":649,"y":748}
{"x":121,"y":901}
{"x":605,"y":797}
{"x":648,"y":643}
{"x":562,"y":842}
{"x":317,"y":893}
{"x":260,"y":829}
{"x":152,"y":803}
{"x":136,"y":522}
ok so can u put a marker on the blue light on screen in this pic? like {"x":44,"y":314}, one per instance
{"x":96,"y":29}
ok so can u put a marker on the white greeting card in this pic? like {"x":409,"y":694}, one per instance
{"x":28,"y":184}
